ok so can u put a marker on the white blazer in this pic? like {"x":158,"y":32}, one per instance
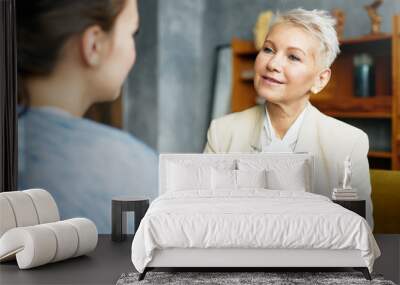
{"x":328,"y":139}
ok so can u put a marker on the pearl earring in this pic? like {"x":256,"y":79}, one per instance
{"x":313,"y":90}
{"x":94,"y":61}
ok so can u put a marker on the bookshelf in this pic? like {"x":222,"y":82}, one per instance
{"x":377,"y":115}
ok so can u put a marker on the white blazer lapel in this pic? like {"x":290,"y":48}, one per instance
{"x":255,"y":140}
{"x":307,"y":140}
{"x":311,"y":140}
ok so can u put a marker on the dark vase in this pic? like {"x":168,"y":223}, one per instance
{"x":364,"y":76}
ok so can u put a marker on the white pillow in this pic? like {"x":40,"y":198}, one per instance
{"x":193,"y":173}
{"x":293,"y":180}
{"x":281,"y":174}
{"x":236,"y":179}
{"x":188,"y":177}
{"x":251,"y":178}
{"x":223,"y":179}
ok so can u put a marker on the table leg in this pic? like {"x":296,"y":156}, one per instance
{"x":118,"y":226}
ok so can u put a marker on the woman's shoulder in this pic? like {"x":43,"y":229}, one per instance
{"x":248,"y":116}
{"x":48,"y":125}
{"x":119,"y":139}
{"x":337,"y":128}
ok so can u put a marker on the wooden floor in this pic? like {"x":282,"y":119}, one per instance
{"x":111,"y":259}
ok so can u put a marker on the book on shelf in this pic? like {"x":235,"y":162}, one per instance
{"x":345,"y":198}
{"x":345,"y":190}
{"x":344,"y":194}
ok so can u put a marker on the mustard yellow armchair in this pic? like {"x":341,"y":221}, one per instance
{"x":386,"y":201}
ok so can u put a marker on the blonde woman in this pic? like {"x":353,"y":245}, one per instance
{"x":294,"y":62}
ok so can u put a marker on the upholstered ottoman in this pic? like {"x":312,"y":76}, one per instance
{"x":31,"y":231}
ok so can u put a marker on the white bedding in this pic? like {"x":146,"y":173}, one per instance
{"x":250,"y":218}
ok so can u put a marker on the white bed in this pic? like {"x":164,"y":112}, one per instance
{"x":201,"y":220}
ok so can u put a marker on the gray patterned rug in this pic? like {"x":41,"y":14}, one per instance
{"x":230,"y":278}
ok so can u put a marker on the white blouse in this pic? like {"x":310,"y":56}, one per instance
{"x":270,"y":142}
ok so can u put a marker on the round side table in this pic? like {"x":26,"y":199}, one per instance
{"x":121,"y":205}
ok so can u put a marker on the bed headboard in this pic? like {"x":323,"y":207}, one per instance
{"x":201,"y":158}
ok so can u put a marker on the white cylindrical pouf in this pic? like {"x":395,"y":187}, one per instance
{"x":34,"y":246}
{"x":45,"y":205}
{"x":7,"y":218}
{"x":67,"y":239}
{"x":87,"y":234}
{"x":24,"y":210}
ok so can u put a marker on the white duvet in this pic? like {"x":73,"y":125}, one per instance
{"x":251,"y":218}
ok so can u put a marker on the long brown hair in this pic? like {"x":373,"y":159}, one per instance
{"x":43,"y":27}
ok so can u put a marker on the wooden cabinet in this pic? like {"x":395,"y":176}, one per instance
{"x":377,"y":115}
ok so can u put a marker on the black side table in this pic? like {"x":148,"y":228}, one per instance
{"x":121,"y":205}
{"x":357,"y":206}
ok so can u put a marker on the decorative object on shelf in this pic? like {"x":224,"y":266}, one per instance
{"x":364,"y":73}
{"x":345,"y":191}
{"x":340,"y":17}
{"x":376,"y":19}
{"x":347,"y":173}
{"x":261,"y":28}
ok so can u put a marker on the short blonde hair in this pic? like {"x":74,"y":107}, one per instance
{"x":318,"y":23}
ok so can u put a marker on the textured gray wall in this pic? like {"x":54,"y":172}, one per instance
{"x":140,"y":98}
{"x":182,"y":75}
{"x":170,"y":89}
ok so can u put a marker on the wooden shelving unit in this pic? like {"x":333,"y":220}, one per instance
{"x":380,"y":154}
{"x":109,"y":113}
{"x":337,"y":99}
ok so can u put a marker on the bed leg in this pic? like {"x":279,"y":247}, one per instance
{"x":142,"y":275}
{"x":364,"y":271}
